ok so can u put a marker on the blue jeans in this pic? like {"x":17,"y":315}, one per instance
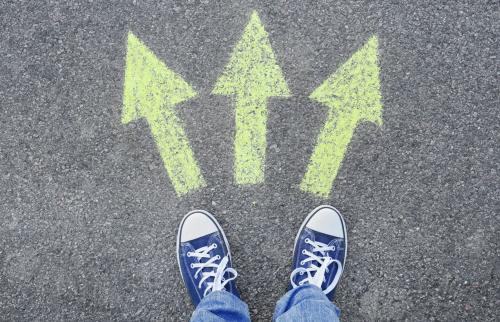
{"x":306,"y":303}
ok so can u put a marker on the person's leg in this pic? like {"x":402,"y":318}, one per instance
{"x":221,"y":306}
{"x":205,"y":263}
{"x":306,"y":303}
{"x":318,"y":261}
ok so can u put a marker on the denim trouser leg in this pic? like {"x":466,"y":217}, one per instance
{"x":303,"y":304}
{"x":221,"y":306}
{"x":306,"y":303}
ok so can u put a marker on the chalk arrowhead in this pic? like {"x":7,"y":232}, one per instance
{"x":355,"y":86}
{"x":252,"y":70}
{"x":150,"y":85}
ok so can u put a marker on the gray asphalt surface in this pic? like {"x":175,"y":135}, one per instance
{"x":88,"y":216}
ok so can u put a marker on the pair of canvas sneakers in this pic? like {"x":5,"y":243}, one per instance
{"x":205,"y":259}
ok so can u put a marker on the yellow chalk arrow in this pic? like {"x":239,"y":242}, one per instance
{"x":151,"y":91}
{"x":252,"y":76}
{"x":353,"y":95}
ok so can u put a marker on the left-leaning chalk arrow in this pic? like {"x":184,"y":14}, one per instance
{"x":151,"y":91}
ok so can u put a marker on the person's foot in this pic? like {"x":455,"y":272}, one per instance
{"x":320,"y":250}
{"x":203,"y":256}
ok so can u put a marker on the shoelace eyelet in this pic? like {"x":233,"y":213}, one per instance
{"x":307,"y":240}
{"x":189,"y":254}
{"x":318,"y":252}
{"x":210,"y":271}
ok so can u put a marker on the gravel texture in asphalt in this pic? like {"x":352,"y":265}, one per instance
{"x":88,"y":215}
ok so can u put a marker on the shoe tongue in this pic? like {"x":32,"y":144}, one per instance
{"x":321,"y":237}
{"x":203,"y":241}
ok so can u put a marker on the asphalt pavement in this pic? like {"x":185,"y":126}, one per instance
{"x":88,"y":213}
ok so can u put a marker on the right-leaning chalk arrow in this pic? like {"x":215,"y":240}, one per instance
{"x":353,"y":95}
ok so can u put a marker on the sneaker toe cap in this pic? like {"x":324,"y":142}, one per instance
{"x":195,"y":225}
{"x":328,"y":221}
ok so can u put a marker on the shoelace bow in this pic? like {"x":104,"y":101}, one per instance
{"x":217,"y":270}
{"x":324,"y":262}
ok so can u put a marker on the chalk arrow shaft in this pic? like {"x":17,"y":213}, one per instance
{"x":174,"y":149}
{"x":151,"y":91}
{"x":329,"y":152}
{"x":250,"y":140}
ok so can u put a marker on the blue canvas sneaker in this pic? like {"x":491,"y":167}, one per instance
{"x":320,"y":250}
{"x":203,"y":256}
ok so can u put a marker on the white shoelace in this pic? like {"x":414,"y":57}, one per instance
{"x":217,"y":271}
{"x":324,"y":262}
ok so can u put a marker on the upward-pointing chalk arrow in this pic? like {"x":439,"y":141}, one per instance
{"x":353,"y":95}
{"x":253,"y":76}
{"x":151,"y":91}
